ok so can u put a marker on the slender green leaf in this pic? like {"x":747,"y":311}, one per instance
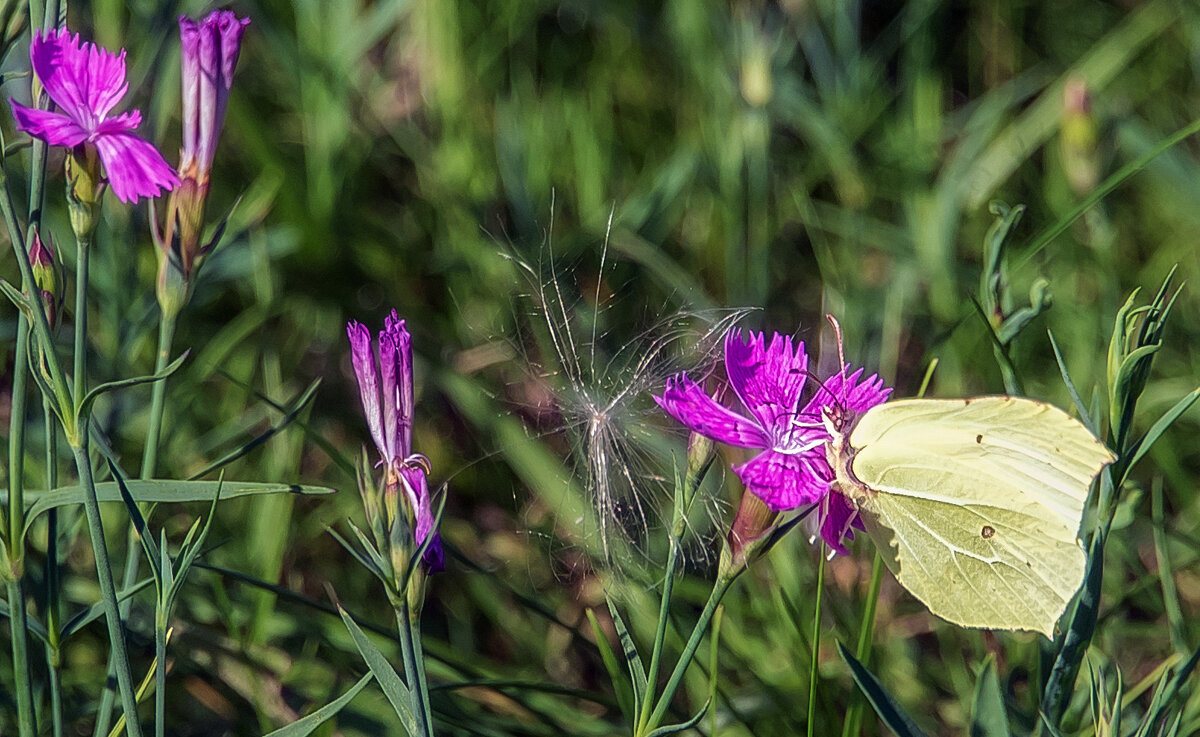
{"x":160,"y":491}
{"x":90,"y":398}
{"x":884,"y":704}
{"x":419,"y":554}
{"x":16,"y":297}
{"x":633,"y":660}
{"x":369,"y":557}
{"x":191,"y":548}
{"x":398,"y":694}
{"x":307,"y":725}
{"x":95,"y":611}
{"x":1051,"y":730}
{"x":1158,"y":428}
{"x":1084,"y":415}
{"x":142,"y":529}
{"x":294,"y":409}
{"x":622,"y":687}
{"x":988,"y":717}
{"x":35,"y":627}
{"x":684,"y":726}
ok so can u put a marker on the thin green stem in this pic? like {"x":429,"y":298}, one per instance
{"x":108,"y":592}
{"x":20,"y":649}
{"x":15,"y":538}
{"x":853,"y":722}
{"x":16,"y":447}
{"x":160,"y":672}
{"x":82,"y":259}
{"x":53,"y":574}
{"x":166,"y":336}
{"x":720,"y":587}
{"x":133,"y":550}
{"x":419,"y":663}
{"x":816,"y":643}
{"x":660,"y":634}
{"x":413,"y":672}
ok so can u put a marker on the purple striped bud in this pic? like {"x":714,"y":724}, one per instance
{"x":46,"y":278}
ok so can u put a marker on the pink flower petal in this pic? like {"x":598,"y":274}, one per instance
{"x":53,"y":128}
{"x":786,"y":481}
{"x":85,"y":80}
{"x":417,"y":488}
{"x":686,"y":401}
{"x":362,"y":355}
{"x":134,"y":167}
{"x":837,"y":516}
{"x":393,"y":326}
{"x":768,"y":381}
{"x":846,"y":390}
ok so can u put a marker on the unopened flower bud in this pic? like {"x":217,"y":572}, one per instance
{"x":700,"y":454}
{"x":46,"y":276}
{"x":85,"y":187}
{"x":750,"y":529}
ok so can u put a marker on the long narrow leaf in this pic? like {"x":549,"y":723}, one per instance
{"x":86,"y":616}
{"x":683,"y":726}
{"x":623,"y":689}
{"x":160,"y":491}
{"x":988,"y":718}
{"x":307,"y":725}
{"x":1158,"y":428}
{"x":633,"y":660}
{"x":294,"y":409}
{"x":1076,"y":399}
{"x":151,"y":548}
{"x":86,"y":405}
{"x":881,"y":700}
{"x":398,"y":694}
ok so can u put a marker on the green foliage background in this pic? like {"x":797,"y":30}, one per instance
{"x":798,"y":157}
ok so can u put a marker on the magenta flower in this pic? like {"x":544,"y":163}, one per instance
{"x":86,"y":82}
{"x":792,"y":470}
{"x":385,"y":383}
{"x":210,"y":54}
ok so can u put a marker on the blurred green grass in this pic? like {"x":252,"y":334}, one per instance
{"x":796,"y":157}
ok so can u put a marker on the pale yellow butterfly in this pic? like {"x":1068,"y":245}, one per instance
{"x":975,"y":504}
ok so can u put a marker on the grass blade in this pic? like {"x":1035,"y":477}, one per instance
{"x":307,"y":725}
{"x":881,"y":700}
{"x":398,"y":694}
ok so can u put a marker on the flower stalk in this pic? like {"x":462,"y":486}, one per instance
{"x":14,"y":552}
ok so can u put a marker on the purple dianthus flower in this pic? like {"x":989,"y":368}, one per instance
{"x":86,"y":82}
{"x":792,"y":470}
{"x":385,"y":383}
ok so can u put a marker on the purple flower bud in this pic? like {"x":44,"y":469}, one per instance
{"x":46,"y":277}
{"x":210,"y":54}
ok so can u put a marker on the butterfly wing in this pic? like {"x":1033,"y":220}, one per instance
{"x":977,"y":504}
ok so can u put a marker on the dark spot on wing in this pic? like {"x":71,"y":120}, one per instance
{"x":987,"y":532}
{"x":978,"y":438}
